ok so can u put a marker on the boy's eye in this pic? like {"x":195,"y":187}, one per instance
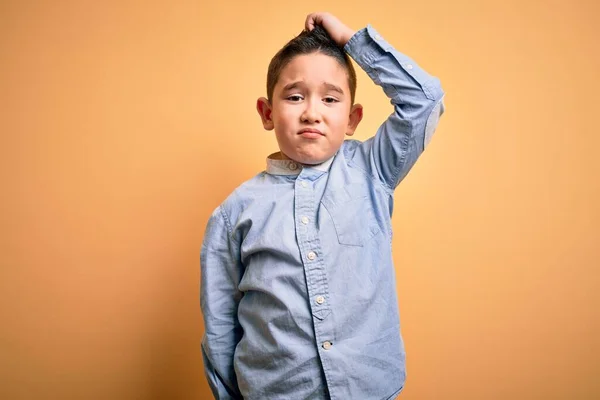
{"x":330,"y":100}
{"x":295,"y":97}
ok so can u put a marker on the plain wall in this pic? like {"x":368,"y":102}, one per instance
{"x":123,"y":124}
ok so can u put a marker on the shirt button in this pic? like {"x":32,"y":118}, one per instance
{"x":312,"y":255}
{"x":327,"y":345}
{"x":409,"y":66}
{"x":320,"y":299}
{"x":304,"y":184}
{"x":293,"y":166}
{"x":304,"y":220}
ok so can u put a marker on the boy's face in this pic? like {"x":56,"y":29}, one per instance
{"x":311,"y":109}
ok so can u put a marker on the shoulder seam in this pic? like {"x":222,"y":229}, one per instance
{"x":227,"y":221}
{"x":352,"y":164}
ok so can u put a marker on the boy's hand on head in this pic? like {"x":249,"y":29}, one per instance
{"x":339,"y":32}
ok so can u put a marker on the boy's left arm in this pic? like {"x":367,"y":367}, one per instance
{"x":417,"y":98}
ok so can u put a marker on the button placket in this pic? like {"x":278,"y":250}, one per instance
{"x":310,"y":246}
{"x":305,"y":211}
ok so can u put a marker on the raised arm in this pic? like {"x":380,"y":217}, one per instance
{"x":417,"y":98}
{"x":221,"y":271}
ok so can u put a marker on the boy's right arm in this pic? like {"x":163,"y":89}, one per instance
{"x":221,"y":271}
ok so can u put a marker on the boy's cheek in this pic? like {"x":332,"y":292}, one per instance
{"x":284,"y":120}
{"x":284,"y":112}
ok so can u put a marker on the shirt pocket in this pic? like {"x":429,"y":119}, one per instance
{"x":352,"y":214}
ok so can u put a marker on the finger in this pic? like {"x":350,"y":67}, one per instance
{"x":310,"y":23}
{"x":314,"y":19}
{"x":317,"y":19}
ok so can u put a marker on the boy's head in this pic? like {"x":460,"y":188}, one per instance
{"x":308,"y":42}
{"x":310,"y":87}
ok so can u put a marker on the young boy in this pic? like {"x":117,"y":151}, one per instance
{"x":298,"y":289}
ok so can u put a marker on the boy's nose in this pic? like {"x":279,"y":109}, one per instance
{"x":310,"y":114}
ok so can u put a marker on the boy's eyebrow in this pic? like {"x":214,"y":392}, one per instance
{"x":333,"y":87}
{"x":293,"y":85}
{"x":297,"y":84}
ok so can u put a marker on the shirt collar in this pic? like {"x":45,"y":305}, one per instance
{"x":277,"y":166}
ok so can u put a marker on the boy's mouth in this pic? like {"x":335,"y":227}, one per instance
{"x":310,"y":133}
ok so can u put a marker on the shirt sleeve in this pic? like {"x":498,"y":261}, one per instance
{"x":417,"y":98}
{"x":221,"y":272}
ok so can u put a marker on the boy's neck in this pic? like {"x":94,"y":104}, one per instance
{"x":280,"y":164}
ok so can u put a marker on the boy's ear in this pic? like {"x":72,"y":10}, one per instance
{"x":356,"y":114}
{"x":264,"y":109}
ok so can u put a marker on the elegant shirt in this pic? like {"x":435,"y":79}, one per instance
{"x":297,"y":279}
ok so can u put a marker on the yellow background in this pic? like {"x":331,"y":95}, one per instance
{"x":125,"y":123}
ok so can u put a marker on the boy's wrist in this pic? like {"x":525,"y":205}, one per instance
{"x":346,"y":36}
{"x":358,"y":43}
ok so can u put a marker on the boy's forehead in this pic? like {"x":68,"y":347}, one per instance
{"x":315,"y":68}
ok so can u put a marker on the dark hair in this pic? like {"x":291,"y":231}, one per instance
{"x":308,"y":42}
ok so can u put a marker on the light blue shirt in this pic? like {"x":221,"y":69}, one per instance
{"x":298,"y":288}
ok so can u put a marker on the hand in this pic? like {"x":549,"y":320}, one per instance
{"x":339,"y":32}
